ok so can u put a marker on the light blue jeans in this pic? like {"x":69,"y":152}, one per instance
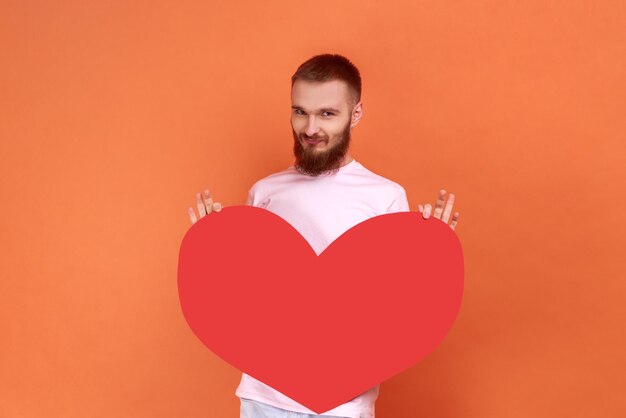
{"x":255,"y":409}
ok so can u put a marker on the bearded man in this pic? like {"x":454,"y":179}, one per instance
{"x":322,"y":195}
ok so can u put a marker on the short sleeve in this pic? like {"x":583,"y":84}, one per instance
{"x":256,"y":196}
{"x":400,"y":203}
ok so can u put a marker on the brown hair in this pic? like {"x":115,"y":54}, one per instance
{"x":328,"y":67}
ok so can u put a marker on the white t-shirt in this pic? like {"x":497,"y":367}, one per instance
{"x":322,"y":208}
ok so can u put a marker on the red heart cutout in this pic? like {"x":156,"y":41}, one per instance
{"x":320,"y":329}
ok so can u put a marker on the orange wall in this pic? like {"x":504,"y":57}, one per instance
{"x":112,"y":116}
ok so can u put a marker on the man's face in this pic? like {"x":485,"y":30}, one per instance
{"x":321,"y":123}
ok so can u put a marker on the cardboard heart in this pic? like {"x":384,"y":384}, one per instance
{"x":320,"y":329}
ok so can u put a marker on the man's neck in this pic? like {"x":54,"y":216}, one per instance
{"x":347,"y":160}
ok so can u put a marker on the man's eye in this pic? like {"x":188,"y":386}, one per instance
{"x":328,"y":114}
{"x":299,"y":112}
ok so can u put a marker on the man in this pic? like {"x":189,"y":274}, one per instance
{"x":325,"y":193}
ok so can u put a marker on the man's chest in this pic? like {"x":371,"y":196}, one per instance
{"x":321,"y":217}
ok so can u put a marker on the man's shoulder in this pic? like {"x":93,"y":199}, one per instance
{"x":276,"y":178}
{"x":381,"y":181}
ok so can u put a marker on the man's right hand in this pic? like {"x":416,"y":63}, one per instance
{"x":205,"y":205}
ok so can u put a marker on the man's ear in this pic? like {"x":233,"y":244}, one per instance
{"x":357,"y":114}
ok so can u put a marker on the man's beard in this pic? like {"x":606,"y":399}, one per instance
{"x":312,"y":162}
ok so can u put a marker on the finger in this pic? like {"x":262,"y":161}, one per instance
{"x":427,"y":210}
{"x":439,"y":204}
{"x":455,"y":220}
{"x":208,"y":201}
{"x":192,"y":216}
{"x":217,"y":206}
{"x":420,"y":208}
{"x":200,"y":205}
{"x":448,"y":210}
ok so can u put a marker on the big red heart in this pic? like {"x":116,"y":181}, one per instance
{"x":321,"y":330}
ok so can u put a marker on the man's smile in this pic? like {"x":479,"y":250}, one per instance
{"x":312,"y":141}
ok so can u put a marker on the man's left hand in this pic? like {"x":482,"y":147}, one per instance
{"x":440,"y":212}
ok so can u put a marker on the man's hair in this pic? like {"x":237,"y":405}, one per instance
{"x":328,"y":67}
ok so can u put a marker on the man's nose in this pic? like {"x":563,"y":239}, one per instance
{"x":311,"y":126}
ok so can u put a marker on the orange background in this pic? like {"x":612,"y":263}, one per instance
{"x":112,"y":116}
